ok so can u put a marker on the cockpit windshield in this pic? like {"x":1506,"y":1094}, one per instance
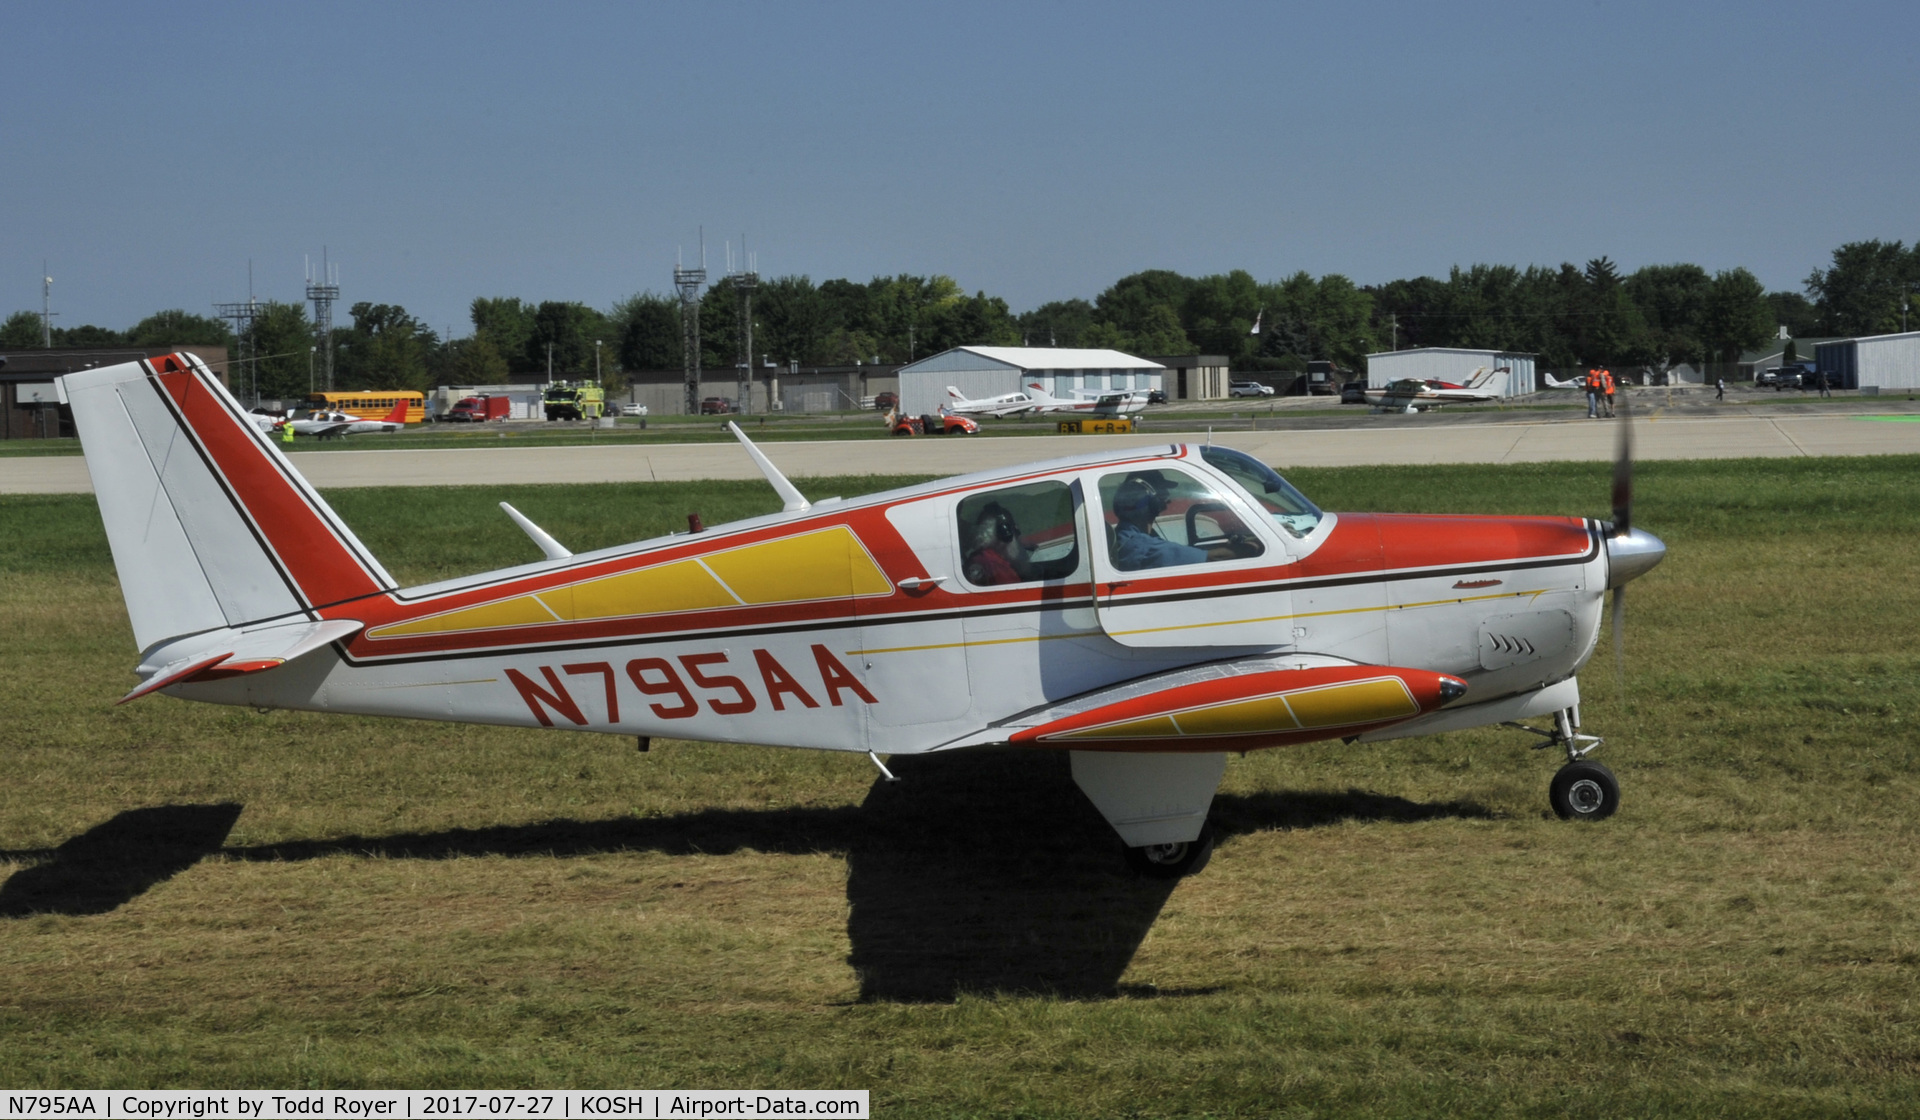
{"x":1288,"y":507}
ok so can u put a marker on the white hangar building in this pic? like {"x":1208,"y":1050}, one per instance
{"x":1441,"y":363}
{"x":1881,"y":361}
{"x":988,"y":371}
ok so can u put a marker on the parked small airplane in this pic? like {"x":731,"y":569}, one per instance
{"x":1409,"y":394}
{"x":1006,"y":404}
{"x":1149,"y":610}
{"x":330,"y":425}
{"x":1116,"y":402}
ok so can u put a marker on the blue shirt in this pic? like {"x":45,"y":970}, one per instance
{"x":1134,"y":549}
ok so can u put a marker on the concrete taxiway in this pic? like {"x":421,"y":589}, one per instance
{"x":1369,"y":440}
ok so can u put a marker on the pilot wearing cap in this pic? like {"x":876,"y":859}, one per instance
{"x":1141,"y":498}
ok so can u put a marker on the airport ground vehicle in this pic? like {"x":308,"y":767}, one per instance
{"x":1157,"y":396}
{"x":885,"y":402}
{"x":474,"y":410}
{"x":1353,"y":392}
{"x":715,"y":406}
{"x":1147,"y":609}
{"x":634,"y":409}
{"x":932,"y":424}
{"x":1249,"y":389}
{"x":574,"y":400}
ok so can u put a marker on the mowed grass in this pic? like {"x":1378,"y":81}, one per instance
{"x":203,"y":896}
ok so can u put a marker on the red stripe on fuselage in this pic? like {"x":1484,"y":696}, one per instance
{"x":306,"y":547}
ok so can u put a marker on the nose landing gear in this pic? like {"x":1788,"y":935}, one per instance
{"x":1582,"y":790}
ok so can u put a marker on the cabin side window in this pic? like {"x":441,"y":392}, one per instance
{"x":1167,"y":519}
{"x":1018,"y":534}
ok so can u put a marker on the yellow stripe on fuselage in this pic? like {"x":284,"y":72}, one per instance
{"x":827,"y":564}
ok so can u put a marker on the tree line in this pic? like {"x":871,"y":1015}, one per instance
{"x":1569,"y":316}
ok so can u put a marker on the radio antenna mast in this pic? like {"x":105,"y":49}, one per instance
{"x":689,"y":282}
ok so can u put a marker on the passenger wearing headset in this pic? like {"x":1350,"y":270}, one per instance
{"x":1141,"y":498}
{"x":994,"y":552}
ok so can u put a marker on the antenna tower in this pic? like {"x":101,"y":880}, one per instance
{"x":46,"y":308}
{"x":243,"y":315}
{"x":744,"y":283}
{"x":689,"y":282}
{"x":323,"y":291}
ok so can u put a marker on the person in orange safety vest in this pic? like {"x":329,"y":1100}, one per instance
{"x":1593,"y":393}
{"x":1606,"y":390}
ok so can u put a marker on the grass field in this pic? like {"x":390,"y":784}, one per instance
{"x":201,"y":896}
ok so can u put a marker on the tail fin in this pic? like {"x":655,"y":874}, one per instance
{"x":210,"y":525}
{"x":399,"y":413}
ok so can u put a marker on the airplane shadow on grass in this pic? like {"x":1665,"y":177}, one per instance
{"x":983,"y":872}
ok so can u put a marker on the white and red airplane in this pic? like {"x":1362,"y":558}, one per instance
{"x":1115,"y":402}
{"x":1410,"y":394}
{"x":1148,"y":610}
{"x":331,"y":425}
{"x":1006,"y":404}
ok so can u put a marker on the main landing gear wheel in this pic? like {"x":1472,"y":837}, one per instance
{"x":1172,"y":861}
{"x":1584,"y":791}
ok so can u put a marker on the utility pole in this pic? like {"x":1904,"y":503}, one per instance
{"x":689,"y":281}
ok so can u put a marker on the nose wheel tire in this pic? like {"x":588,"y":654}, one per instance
{"x":1584,"y":791}
{"x":1172,"y":861}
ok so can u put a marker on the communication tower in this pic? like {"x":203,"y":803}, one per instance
{"x":323,"y":290}
{"x":242,"y":316}
{"x":689,"y":282}
{"x":744,"y":283}
{"x":46,"y":308}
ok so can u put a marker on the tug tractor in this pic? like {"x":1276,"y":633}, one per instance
{"x":931,"y":424}
{"x":565,"y":400}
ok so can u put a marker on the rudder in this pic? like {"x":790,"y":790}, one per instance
{"x":210,"y":525}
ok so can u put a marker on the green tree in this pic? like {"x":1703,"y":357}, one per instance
{"x":1795,"y":312}
{"x":1159,"y":332}
{"x":793,"y":319}
{"x":21,"y":331}
{"x":1672,"y":300}
{"x":88,"y":335}
{"x":386,"y":348}
{"x":649,"y":327}
{"x":1058,"y":323}
{"x":282,"y":340}
{"x":981,"y":320}
{"x":1128,"y":303}
{"x":1736,"y":315}
{"x":571,"y":329}
{"x":469,"y":361}
{"x":1864,"y":290}
{"x":180,"y":328}
{"x":509,"y":323}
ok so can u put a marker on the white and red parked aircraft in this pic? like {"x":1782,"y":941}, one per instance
{"x":331,"y":425}
{"x":1147,"y":610}
{"x":1006,"y":404}
{"x":1410,"y":394}
{"x":1115,"y":402}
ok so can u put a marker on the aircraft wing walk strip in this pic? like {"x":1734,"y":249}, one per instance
{"x":246,"y":652}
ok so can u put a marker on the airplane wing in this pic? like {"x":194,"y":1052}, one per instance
{"x":1400,"y":396}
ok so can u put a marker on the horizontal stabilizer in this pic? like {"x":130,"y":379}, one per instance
{"x":1239,"y":705}
{"x":230,"y":653}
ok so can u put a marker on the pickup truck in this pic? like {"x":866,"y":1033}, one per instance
{"x":1249,"y":389}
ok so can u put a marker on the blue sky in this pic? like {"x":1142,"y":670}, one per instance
{"x":1037,"y":151}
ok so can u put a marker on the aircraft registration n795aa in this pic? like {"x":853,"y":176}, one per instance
{"x":1147,"y":610}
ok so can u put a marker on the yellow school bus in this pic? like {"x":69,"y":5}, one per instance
{"x":371,"y":404}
